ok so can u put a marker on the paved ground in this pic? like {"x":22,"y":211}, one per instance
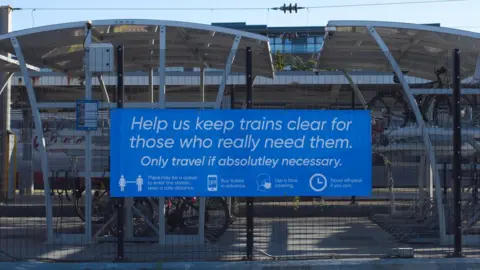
{"x":357,"y":264}
{"x":34,"y":206}
{"x":275,"y":238}
{"x":283,"y":230}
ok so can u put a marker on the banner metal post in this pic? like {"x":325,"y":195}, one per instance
{"x":249,"y":97}
{"x":457,"y":155}
{"x":120,"y":201}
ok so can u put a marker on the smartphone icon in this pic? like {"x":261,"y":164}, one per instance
{"x":212,"y":183}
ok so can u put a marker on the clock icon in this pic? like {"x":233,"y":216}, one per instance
{"x":318,"y":182}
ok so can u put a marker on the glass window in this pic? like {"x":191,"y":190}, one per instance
{"x":299,"y":48}
{"x":287,"y":48}
{"x":180,"y":69}
{"x":299,"y":40}
{"x":311,"y":40}
{"x":276,"y":47}
{"x":311,"y":48}
{"x":213,"y":69}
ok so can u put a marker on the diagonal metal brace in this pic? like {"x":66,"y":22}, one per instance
{"x":39,"y":132}
{"x":422,"y":126}
{"x":226,"y":72}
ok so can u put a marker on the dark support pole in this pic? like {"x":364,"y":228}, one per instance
{"x":353,"y":202}
{"x":445,"y":182}
{"x":473,"y":173}
{"x":5,"y":100}
{"x":120,"y":201}
{"x":234,"y":203}
{"x":457,"y":156}
{"x":249,"y":97}
{"x":232,"y":96}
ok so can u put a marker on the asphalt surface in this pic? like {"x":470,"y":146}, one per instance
{"x":274,"y":239}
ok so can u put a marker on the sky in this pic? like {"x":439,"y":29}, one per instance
{"x":461,"y":15}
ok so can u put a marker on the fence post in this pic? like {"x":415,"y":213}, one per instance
{"x":457,"y":156}
{"x":445,"y":182}
{"x":120,"y":201}
{"x":353,"y":201}
{"x":249,"y":97}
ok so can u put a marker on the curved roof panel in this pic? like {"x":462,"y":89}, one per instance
{"x":418,"y":49}
{"x":60,"y":47}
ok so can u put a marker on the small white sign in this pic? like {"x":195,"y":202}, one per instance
{"x":87,"y":115}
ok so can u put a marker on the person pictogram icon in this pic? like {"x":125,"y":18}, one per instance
{"x":122,"y":183}
{"x":139,"y":183}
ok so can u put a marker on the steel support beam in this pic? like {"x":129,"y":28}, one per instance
{"x":6,"y":84}
{"x":7,"y":185}
{"x":202,"y":83}
{"x":161,"y":104}
{"x":476,"y":75}
{"x":88,"y":140}
{"x":161,"y":68}
{"x":357,"y":91}
{"x":421,"y":182}
{"x":391,"y":187}
{"x":457,"y":157}
{"x":120,"y":201}
{"x":443,"y":91}
{"x":335,"y":90}
{"x":250,"y":200}
{"x":161,"y":221}
{"x":226,"y":72}
{"x":150,"y":85}
{"x":5,"y":100}
{"x":104,"y":89}
{"x":421,"y":124}
{"x":26,"y":183}
{"x":430,"y":177}
{"x":474,"y":143}
{"x":105,"y":94}
{"x":39,"y":132}
{"x":201,"y":221}
{"x":103,"y":105}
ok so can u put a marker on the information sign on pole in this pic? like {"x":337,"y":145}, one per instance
{"x":87,"y":115}
{"x":180,"y":153}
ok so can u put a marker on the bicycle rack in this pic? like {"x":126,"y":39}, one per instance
{"x":399,"y":142}
{"x":130,"y":209}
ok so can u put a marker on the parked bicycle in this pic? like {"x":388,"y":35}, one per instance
{"x":181,"y":214}
{"x":436,"y":109}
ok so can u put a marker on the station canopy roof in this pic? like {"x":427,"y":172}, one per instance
{"x":418,"y":49}
{"x":60,"y":47}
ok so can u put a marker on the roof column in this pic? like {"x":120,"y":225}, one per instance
{"x":5,"y":99}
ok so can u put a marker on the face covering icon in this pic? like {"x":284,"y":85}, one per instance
{"x":263,"y":182}
{"x":267,"y":185}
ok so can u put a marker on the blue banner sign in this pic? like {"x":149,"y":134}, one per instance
{"x":240,"y":153}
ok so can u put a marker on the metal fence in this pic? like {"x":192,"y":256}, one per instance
{"x":401,"y":218}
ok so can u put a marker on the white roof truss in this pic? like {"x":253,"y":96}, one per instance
{"x":418,"y":49}
{"x":60,"y":47}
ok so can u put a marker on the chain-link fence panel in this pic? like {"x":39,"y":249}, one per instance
{"x":409,"y":212}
